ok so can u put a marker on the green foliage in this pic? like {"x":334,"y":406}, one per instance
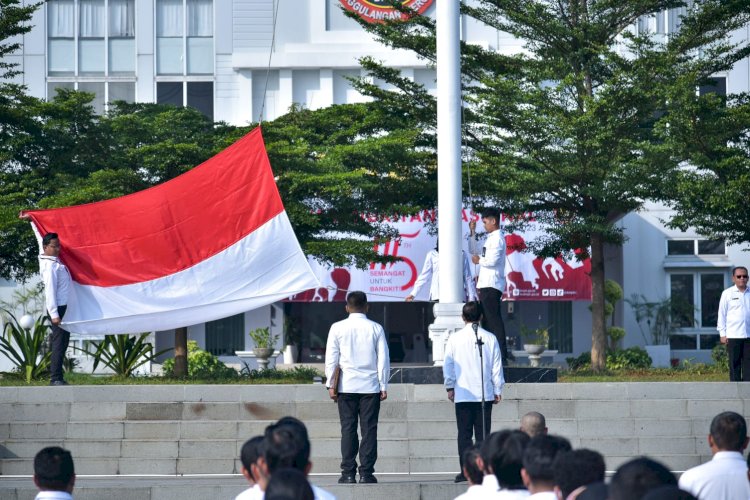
{"x":536,"y":336}
{"x":615,"y":334}
{"x":26,"y":348}
{"x":123,"y":353}
{"x":263,"y":338}
{"x":720,"y":356}
{"x":201,"y":365}
{"x":618,"y":359}
{"x":298,"y":373}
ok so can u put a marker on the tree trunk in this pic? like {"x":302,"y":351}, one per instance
{"x":598,"y":320}
{"x":180,"y":353}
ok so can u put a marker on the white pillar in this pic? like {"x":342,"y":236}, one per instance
{"x":448,"y":311}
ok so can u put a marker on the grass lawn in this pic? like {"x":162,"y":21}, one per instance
{"x":697,"y":374}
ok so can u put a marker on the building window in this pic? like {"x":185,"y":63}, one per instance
{"x":696,"y":247}
{"x":225,"y":336}
{"x":90,"y":37}
{"x":695,"y":305}
{"x":104,"y":92}
{"x":184,"y":27}
{"x":198,"y":95}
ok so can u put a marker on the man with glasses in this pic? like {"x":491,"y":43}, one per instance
{"x":734,"y":323}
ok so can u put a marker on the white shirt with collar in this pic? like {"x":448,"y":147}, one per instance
{"x":461,"y":368}
{"x":430,"y":272}
{"x":56,"y":280}
{"x":358,"y":345}
{"x":489,"y":482}
{"x":53,"y":495}
{"x":511,"y":495}
{"x":725,"y":477}
{"x":543,"y":495}
{"x":734,"y":313}
{"x":492,"y":262}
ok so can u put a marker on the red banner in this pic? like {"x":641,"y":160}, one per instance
{"x":528,"y":277}
{"x":375,"y":11}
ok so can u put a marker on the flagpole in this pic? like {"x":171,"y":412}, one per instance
{"x":448,"y":310}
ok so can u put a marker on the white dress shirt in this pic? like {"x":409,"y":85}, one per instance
{"x":489,"y":482}
{"x":475,"y":492}
{"x":461,"y":369}
{"x":255,"y":493}
{"x":543,"y":495}
{"x":359,"y":347}
{"x":53,"y":495}
{"x":511,"y":495}
{"x":430,"y":274}
{"x":492,"y":262}
{"x":725,"y":477}
{"x":734,"y":313}
{"x":56,"y":280}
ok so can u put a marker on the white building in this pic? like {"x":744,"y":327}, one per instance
{"x":243,"y":60}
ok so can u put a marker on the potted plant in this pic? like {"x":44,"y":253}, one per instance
{"x":264,"y":344}
{"x":535,"y":341}
{"x":292,"y":340}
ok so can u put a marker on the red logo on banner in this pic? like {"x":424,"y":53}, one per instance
{"x":379,"y":10}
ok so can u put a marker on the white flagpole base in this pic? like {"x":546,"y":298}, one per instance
{"x":447,"y":320}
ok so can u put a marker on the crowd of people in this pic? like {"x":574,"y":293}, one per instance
{"x":524,"y":463}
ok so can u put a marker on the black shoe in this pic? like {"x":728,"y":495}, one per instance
{"x":58,"y":382}
{"x":460,"y":478}
{"x":368,"y":479}
{"x":347,"y":479}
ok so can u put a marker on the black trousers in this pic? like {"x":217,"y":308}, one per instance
{"x":469,"y":424}
{"x":493,"y":319}
{"x":365,"y":408}
{"x":739,"y":359}
{"x":59,"y":344}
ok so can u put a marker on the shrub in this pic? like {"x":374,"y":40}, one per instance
{"x":26,"y":348}
{"x":201,"y":365}
{"x":632,"y":358}
{"x":123,"y":353}
{"x":720,"y":356}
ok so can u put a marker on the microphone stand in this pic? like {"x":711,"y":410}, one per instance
{"x":480,"y":343}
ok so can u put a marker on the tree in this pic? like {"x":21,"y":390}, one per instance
{"x":572,"y":129}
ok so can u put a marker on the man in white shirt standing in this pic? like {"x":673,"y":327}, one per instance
{"x":358,"y":346}
{"x":734,"y":323}
{"x":491,"y":280}
{"x":464,"y":371}
{"x":54,"y":474}
{"x":430,"y":273}
{"x":725,"y":476}
{"x":56,"y":278}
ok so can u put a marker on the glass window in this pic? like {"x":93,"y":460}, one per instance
{"x":96,"y":88}
{"x":53,"y":86}
{"x":169,"y":93}
{"x":711,"y":287}
{"x":91,"y":30}
{"x":225,"y":336}
{"x":682,"y":342}
{"x":680,"y":247}
{"x":711,"y":247}
{"x":200,"y":59}
{"x":121,"y":37}
{"x":60,"y":37}
{"x":715,"y":85}
{"x":122,"y":91}
{"x":200,"y":95}
{"x":681,"y":288}
{"x":169,"y":32}
{"x":708,"y":342}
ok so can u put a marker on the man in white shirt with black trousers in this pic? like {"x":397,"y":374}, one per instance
{"x":734,"y":325}
{"x":359,"y":347}
{"x":464,"y":371}
{"x":491,"y":279}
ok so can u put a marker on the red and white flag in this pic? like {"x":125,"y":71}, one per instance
{"x":211,"y":243}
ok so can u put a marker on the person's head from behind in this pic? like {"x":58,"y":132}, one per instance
{"x":637,"y":477}
{"x":573,"y":469}
{"x":289,"y":484}
{"x":533,"y":424}
{"x":249,"y":454}
{"x":668,"y":493}
{"x":538,"y":458}
{"x":728,"y":432}
{"x":502,"y":453}
{"x":472,"y":312}
{"x":51,"y":244}
{"x":491,"y":219}
{"x":356,"y":302}
{"x":286,"y":446}
{"x":471,"y":468}
{"x":54,"y":470}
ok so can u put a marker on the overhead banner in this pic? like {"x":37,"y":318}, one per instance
{"x":528,"y":277}
{"x":374,"y":11}
{"x":213,"y":242}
